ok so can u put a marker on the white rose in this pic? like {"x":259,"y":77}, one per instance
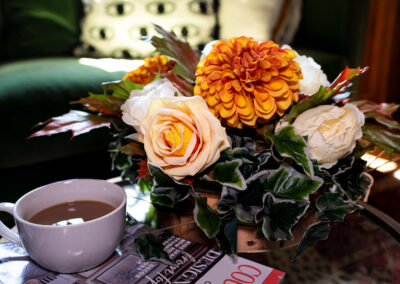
{"x":313,"y":76}
{"x":135,"y":109}
{"x":207,"y":49}
{"x":332,"y":131}
{"x":182,"y":136}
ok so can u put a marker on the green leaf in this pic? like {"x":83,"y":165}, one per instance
{"x":116,"y":89}
{"x":251,"y":162}
{"x":150,"y":248}
{"x":78,"y":122}
{"x":331,"y":206}
{"x":227,"y":235}
{"x":130,"y":86}
{"x":279,"y":216}
{"x":289,"y":183}
{"x":309,"y":102}
{"x":351,"y":179}
{"x":205,"y":217}
{"x":289,"y":144}
{"x":245,"y":203}
{"x":160,"y":177}
{"x":166,"y":191}
{"x":324,"y":94}
{"x":132,"y":149}
{"x":387,"y":140}
{"x":314,"y":233}
{"x":242,"y":142}
{"x":227,"y":173}
{"x":145,"y":184}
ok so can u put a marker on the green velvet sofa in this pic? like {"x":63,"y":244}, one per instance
{"x":39,"y":76}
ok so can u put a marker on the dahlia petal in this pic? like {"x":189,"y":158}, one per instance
{"x":284,"y":104}
{"x":240,"y":100}
{"x":236,"y":85}
{"x":204,"y":85}
{"x":225,"y":113}
{"x":225,"y":96}
{"x":212,"y":100}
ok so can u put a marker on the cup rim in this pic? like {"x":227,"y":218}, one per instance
{"x":26,"y":222}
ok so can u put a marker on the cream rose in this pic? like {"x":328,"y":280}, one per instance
{"x":135,"y":109}
{"x":313,"y":76}
{"x":182,"y":136}
{"x":332,"y":131}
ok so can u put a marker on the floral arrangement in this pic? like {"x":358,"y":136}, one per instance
{"x":251,"y":121}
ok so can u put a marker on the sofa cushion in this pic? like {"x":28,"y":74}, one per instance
{"x":35,"y":90}
{"x":115,"y":28}
{"x":40,"y":27}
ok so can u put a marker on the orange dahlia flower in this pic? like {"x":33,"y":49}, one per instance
{"x":146,"y":73}
{"x":244,"y":81}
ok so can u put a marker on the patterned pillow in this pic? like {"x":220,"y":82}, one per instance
{"x":113,"y":28}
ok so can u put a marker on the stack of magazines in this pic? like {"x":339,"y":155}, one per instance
{"x":193,"y":263}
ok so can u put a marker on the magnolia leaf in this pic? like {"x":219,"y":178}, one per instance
{"x":185,"y":57}
{"x":289,"y":183}
{"x":227,"y":235}
{"x":116,"y":89}
{"x":314,"y":233}
{"x":78,"y":122}
{"x":205,"y":217}
{"x":289,"y":144}
{"x":381,"y":113}
{"x":183,"y":86}
{"x":227,"y":173}
{"x":150,"y":248}
{"x":279,"y":216}
{"x":331,"y":206}
{"x":105,"y":104}
{"x":387,"y":140}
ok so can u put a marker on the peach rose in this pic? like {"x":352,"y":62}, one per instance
{"x":182,"y":136}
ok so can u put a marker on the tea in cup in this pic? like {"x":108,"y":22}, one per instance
{"x":69,"y":226}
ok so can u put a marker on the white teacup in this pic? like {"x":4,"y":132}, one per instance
{"x":68,"y":248}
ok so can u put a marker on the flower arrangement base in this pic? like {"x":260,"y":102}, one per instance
{"x":180,"y":221}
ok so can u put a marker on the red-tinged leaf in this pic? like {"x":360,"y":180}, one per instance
{"x":169,"y":45}
{"x":182,"y":85}
{"x":381,"y":113}
{"x":189,"y":181}
{"x":345,"y":78}
{"x":132,"y":149}
{"x":143,"y":170}
{"x":105,"y":104}
{"x":78,"y":122}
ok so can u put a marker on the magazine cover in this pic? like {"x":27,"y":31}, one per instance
{"x":193,"y":263}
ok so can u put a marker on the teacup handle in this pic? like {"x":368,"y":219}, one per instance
{"x":5,"y":232}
